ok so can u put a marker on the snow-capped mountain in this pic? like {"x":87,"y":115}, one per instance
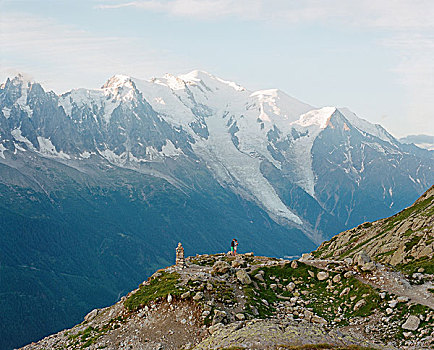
{"x":242,"y":136}
{"x":98,"y":186}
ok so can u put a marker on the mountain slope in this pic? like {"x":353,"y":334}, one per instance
{"x":405,"y":240}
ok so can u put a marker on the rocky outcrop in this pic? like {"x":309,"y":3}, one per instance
{"x":405,"y":240}
{"x":261,"y":303}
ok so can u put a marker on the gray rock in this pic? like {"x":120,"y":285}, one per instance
{"x":348,"y":274}
{"x":412,"y":323}
{"x":243,"y":277}
{"x":337,"y":278}
{"x":219,"y":316}
{"x":221,"y":267}
{"x":393,"y":303}
{"x":369,"y":266}
{"x":91,"y":315}
{"x":186,"y":295}
{"x":348,"y":261}
{"x":198,"y":296}
{"x":344,"y":291}
{"x":169,"y":298}
{"x":359,"y":304}
{"x":361,"y":258}
{"x":240,"y":316}
{"x":259,"y":277}
{"x":290,"y":286}
{"x":322,"y":275}
{"x":389,"y":311}
{"x":294,"y":264}
{"x":273,"y":286}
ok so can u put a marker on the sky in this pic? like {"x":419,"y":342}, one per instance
{"x":374,"y":57}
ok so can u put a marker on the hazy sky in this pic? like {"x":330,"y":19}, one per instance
{"x":375,"y":57}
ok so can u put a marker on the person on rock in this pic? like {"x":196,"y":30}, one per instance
{"x":234,"y":246}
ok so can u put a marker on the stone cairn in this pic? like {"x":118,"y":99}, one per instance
{"x":180,"y":260}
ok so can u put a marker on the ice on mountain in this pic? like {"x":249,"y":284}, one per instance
{"x":47,"y":148}
{"x":2,"y":149}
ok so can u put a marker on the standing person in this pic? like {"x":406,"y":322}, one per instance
{"x":235,"y":246}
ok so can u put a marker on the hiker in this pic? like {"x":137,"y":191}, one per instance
{"x":234,"y":246}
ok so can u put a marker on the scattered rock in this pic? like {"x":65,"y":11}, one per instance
{"x":369,"y":266}
{"x":337,"y":278}
{"x":308,"y":315}
{"x":393,"y":303}
{"x":311,"y":273}
{"x":348,"y":274}
{"x":237,"y":263}
{"x":294,"y":264}
{"x":169,"y":298}
{"x":389,"y":311}
{"x":412,"y":323}
{"x":273,"y":286}
{"x":250,"y":254}
{"x":243,"y":277}
{"x":348,"y":261}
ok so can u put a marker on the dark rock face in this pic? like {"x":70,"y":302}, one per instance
{"x":96,"y":187}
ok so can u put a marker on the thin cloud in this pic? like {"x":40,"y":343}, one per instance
{"x":392,"y":14}
{"x":58,"y":50}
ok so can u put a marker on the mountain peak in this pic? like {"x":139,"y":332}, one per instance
{"x":117,"y":81}
{"x":196,"y":76}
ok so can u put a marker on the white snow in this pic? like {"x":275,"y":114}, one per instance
{"x":365,"y":126}
{"x":6,"y":112}
{"x":47,"y":148}
{"x":16,"y":133}
{"x":169,"y":149}
{"x":2,"y":149}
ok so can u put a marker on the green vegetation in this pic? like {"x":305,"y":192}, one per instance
{"x":159,"y":287}
{"x":414,"y":240}
{"x":411,"y":267}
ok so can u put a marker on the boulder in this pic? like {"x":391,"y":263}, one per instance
{"x":348,"y":261}
{"x":240,"y":317}
{"x":216,"y":328}
{"x":345,"y":291}
{"x":412,"y":323}
{"x":361,"y":258}
{"x":243,"y":277}
{"x":322,"y":275}
{"x":221,"y":267}
{"x":369,"y":266}
{"x":337,"y":278}
{"x":91,"y":315}
{"x":259,"y":277}
{"x":359,"y":304}
{"x":185,"y":295}
{"x":198,"y":296}
{"x":169,"y":298}
{"x":318,"y":320}
{"x":402,"y":299}
{"x":294,"y":264}
{"x":290,"y":286}
{"x":219,"y":316}
{"x":237,"y":263}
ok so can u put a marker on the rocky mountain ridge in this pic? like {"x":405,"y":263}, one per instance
{"x":250,"y":302}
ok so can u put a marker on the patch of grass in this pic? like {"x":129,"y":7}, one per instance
{"x":410,"y":244}
{"x":203,"y":261}
{"x":159,"y":287}
{"x":408,"y":232}
{"x":413,"y":266}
